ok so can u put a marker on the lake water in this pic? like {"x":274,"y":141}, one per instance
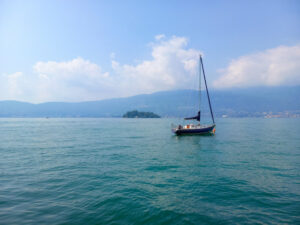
{"x":135,"y":171}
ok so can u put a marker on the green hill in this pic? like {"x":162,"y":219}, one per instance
{"x":137,"y":114}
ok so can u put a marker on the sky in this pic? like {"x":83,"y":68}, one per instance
{"x":92,"y":50}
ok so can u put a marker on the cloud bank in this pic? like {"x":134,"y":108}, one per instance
{"x":273,"y":67}
{"x":172,"y":65}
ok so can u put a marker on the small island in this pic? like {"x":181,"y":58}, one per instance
{"x":137,"y":114}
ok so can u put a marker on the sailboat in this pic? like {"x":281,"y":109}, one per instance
{"x":198,"y":128}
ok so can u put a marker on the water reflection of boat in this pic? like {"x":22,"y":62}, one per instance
{"x":198,"y":128}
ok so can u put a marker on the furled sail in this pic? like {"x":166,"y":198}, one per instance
{"x":195,"y":117}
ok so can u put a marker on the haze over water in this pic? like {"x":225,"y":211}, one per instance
{"x":135,"y":171}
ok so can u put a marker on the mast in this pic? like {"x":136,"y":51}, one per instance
{"x":211,"y":112}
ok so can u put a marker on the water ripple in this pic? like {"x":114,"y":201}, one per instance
{"x":84,"y":171}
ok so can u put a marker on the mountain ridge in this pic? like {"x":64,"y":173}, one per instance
{"x":176,"y":103}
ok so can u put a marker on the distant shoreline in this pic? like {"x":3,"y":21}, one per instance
{"x":120,"y":117}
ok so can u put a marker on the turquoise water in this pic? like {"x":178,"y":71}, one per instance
{"x":134,"y":171}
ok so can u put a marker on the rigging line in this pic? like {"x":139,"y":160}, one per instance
{"x":212,"y":115}
{"x":199,"y":83}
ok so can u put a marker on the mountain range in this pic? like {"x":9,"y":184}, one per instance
{"x":258,"y":101}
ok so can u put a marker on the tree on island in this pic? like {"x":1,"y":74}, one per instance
{"x":137,"y":114}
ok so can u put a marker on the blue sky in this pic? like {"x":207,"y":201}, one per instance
{"x":111,"y":44}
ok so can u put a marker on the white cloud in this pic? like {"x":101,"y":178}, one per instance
{"x":73,"y":80}
{"x":172,"y":66}
{"x":159,"y":37}
{"x":112,"y":55}
{"x":273,"y":67}
{"x":12,"y":86}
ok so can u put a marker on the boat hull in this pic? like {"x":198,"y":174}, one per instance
{"x":195,"y":131}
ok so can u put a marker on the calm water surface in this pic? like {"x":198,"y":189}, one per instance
{"x":134,"y":171}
